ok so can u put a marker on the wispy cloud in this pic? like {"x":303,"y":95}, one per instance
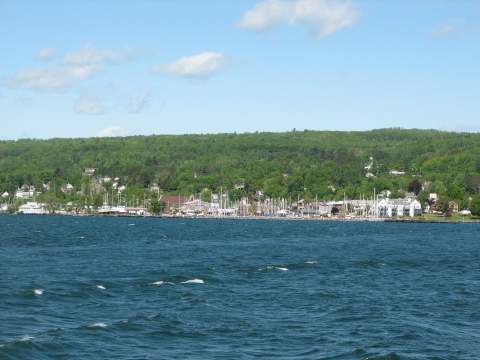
{"x":56,"y":78}
{"x":72,"y":69}
{"x":90,"y":55}
{"x":200,"y":66}
{"x":112,"y":131}
{"x":98,"y":100}
{"x":46,"y":54}
{"x":321,"y":17}
{"x":91,"y":101}
{"x":139,"y":101}
{"x":453,"y":27}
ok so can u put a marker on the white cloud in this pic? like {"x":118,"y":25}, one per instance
{"x":112,"y":131}
{"x":199,"y":66}
{"x":321,"y":17}
{"x":140,"y":101}
{"x":91,"y":101}
{"x":46,"y":54}
{"x":73,"y":68}
{"x":57,"y":78}
{"x":90,"y":55}
{"x":453,"y":27}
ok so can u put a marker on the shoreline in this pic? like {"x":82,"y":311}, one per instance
{"x":355,"y":219}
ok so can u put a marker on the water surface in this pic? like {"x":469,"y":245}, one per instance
{"x":145,"y":288}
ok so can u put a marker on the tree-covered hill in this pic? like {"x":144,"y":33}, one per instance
{"x":308,"y":164}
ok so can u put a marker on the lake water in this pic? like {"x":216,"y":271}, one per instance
{"x":146,"y":288}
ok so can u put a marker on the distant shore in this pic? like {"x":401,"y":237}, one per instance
{"x":275,"y":218}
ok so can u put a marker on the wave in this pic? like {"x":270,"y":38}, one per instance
{"x":193,"y":281}
{"x":98,"y":325}
{"x":26,"y":338}
{"x":157,"y":283}
{"x":161,"y":282}
{"x":281,"y":268}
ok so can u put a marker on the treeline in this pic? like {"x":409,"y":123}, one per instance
{"x":305,"y":164}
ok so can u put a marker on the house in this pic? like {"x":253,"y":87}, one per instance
{"x":89,"y":171}
{"x":25,"y":193}
{"x":239,"y":186}
{"x":410,"y":195}
{"x":317,"y":209}
{"x":301,"y":204}
{"x":244,"y":207}
{"x":134,"y":211}
{"x":399,"y":207}
{"x":385,"y":193}
{"x":173,"y":203}
{"x":5,"y":194}
{"x":67,"y":188}
{"x":362,"y":207}
{"x":31,"y":208}
{"x":155,"y":187}
{"x":395,"y":172}
{"x":453,"y":206}
{"x":195,"y":207}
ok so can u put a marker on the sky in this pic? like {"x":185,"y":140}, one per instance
{"x":96,"y":68}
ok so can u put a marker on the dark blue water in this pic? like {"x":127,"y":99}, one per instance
{"x":136,"y":288}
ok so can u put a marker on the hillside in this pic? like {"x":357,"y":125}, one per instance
{"x":304,"y":164}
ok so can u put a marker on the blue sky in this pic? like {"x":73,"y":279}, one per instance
{"x":74,"y":69}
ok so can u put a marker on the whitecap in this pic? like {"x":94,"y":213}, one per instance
{"x":266,"y":268}
{"x":282,"y":268}
{"x":131,"y":224}
{"x":101,"y":287}
{"x":193,"y":281}
{"x":26,"y":338}
{"x":38,"y":291}
{"x":100,"y":325}
{"x":157,"y":283}
{"x":310,"y":262}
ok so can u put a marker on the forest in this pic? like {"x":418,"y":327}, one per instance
{"x":305,"y":164}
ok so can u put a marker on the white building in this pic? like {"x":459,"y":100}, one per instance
{"x":25,"y":193}
{"x":32,"y":207}
{"x":398,"y":207}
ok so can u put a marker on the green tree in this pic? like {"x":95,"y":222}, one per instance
{"x":454,"y":192}
{"x":52,"y":203}
{"x":275,"y":191}
{"x":475,"y":206}
{"x":415,"y":186}
{"x":156,"y":207}
{"x":443,"y":205}
{"x":235,"y":195}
